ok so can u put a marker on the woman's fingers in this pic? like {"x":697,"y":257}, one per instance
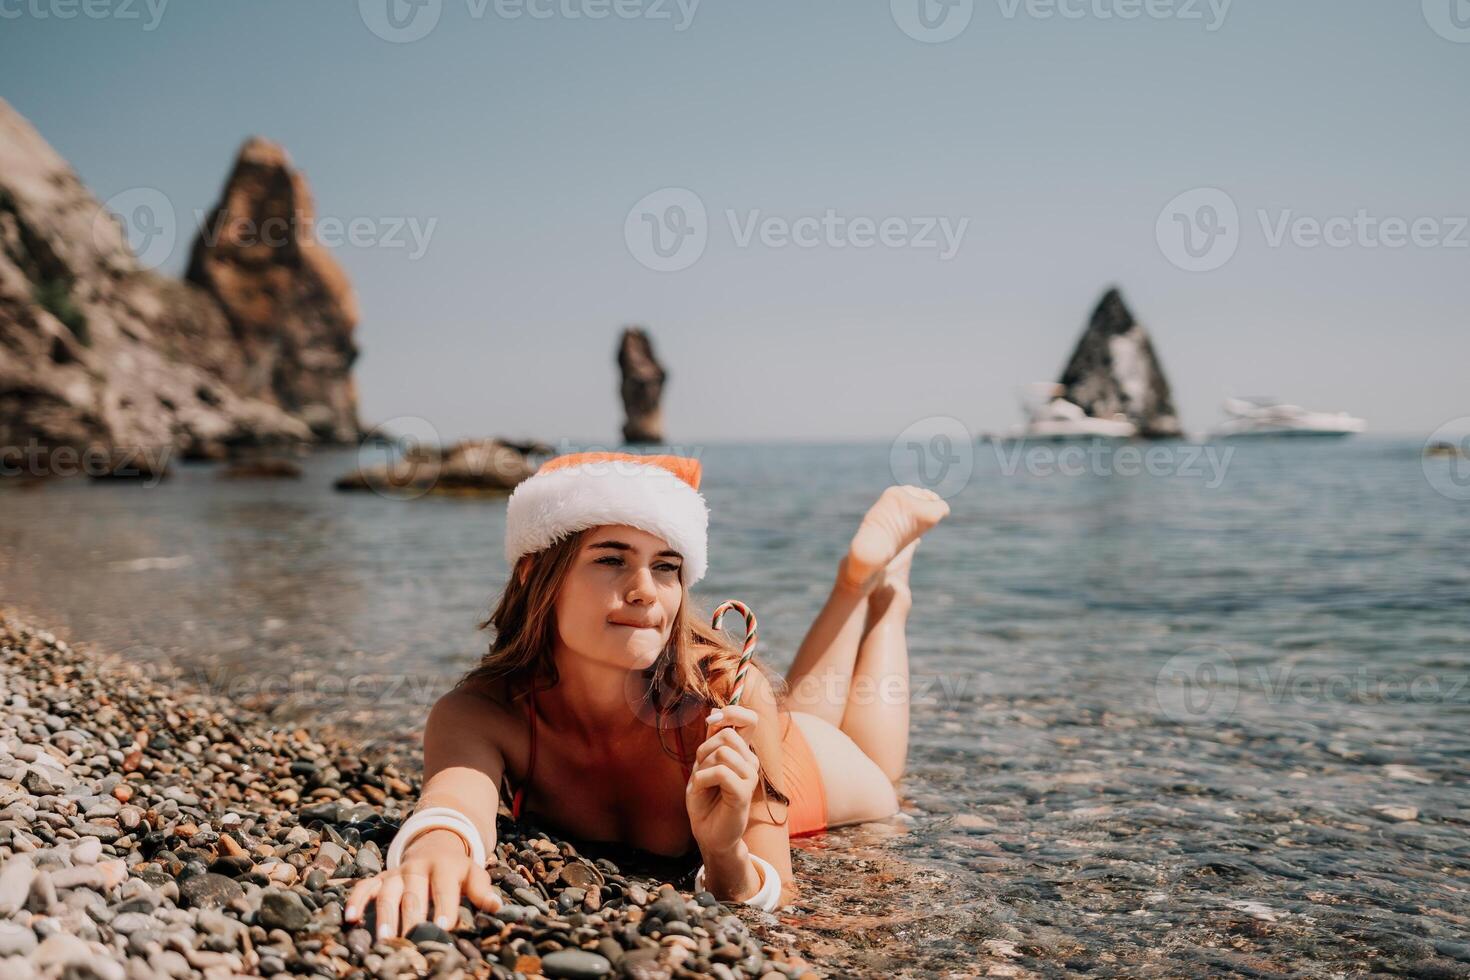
{"x":725,"y":738}
{"x":415,"y":900}
{"x":729,"y":756}
{"x":445,"y":889}
{"x":388,"y":897}
{"x":720,"y":776}
{"x":361,"y":894}
{"x":735,"y":716}
{"x":481,"y":891}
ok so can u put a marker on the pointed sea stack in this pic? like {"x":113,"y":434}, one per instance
{"x":642,"y":388}
{"x":289,"y":304}
{"x":1114,"y":369}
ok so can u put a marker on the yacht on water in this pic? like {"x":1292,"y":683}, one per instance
{"x":1050,"y":416}
{"x":1268,"y":417}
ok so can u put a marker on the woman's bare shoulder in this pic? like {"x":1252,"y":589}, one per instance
{"x":478,"y":707}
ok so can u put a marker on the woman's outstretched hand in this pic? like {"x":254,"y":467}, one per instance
{"x":722,"y":784}
{"x":434,"y":865}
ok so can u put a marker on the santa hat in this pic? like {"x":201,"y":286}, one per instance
{"x":657,"y":494}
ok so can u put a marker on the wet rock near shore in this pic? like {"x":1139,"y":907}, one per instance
{"x":148,"y":832}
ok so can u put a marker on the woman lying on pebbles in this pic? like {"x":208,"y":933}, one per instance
{"x":594,"y":702}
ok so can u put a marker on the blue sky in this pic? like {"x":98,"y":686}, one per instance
{"x":1055,"y":136}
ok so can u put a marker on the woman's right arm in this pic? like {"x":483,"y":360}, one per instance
{"x":462,"y":769}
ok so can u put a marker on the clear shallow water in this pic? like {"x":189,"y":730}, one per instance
{"x":1154,"y":713}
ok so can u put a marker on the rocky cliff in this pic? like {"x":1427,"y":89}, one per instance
{"x":103,"y":358}
{"x":1114,"y":369}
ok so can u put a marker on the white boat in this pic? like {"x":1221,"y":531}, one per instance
{"x":1050,"y":416}
{"x":1267,"y":417}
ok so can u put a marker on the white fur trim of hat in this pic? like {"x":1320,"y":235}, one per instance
{"x":556,"y":502}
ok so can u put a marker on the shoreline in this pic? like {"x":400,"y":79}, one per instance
{"x":152,"y":830}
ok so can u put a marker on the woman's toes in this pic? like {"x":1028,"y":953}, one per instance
{"x":896,"y":521}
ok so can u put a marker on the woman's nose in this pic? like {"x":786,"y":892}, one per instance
{"x":642,"y":586}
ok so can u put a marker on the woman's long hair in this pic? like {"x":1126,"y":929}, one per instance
{"x":695,"y":671}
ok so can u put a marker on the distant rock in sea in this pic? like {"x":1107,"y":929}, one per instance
{"x":473,"y":466}
{"x":1114,"y":370}
{"x":103,"y":359}
{"x":642,"y":388}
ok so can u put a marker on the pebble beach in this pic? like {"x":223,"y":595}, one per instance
{"x":149,"y":832}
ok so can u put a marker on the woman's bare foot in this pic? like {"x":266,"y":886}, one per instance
{"x":892,"y":587}
{"x":887,"y":531}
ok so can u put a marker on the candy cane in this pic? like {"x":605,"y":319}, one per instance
{"x":748,"y":650}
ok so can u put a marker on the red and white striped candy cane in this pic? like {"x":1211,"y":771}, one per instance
{"x":748,"y":650}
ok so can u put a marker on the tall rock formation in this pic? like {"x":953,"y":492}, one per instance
{"x":101,"y":356}
{"x":642,"y":388}
{"x":1114,"y":369}
{"x":288,"y":302}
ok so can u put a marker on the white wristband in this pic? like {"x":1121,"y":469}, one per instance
{"x":768,"y":897}
{"x":437,"y":818}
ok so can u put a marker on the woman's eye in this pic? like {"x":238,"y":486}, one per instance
{"x":662,"y":566}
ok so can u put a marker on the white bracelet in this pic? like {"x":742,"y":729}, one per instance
{"x":767,"y":897}
{"x":437,"y":818}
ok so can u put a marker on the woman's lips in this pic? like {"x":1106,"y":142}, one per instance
{"x":635,"y":626}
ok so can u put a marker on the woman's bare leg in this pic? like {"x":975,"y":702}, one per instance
{"x":821,"y":674}
{"x":821,"y":677}
{"x":877,"y":713}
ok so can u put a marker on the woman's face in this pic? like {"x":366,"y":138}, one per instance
{"x":619,"y":600}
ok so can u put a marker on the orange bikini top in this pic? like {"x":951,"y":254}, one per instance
{"x":519,"y":797}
